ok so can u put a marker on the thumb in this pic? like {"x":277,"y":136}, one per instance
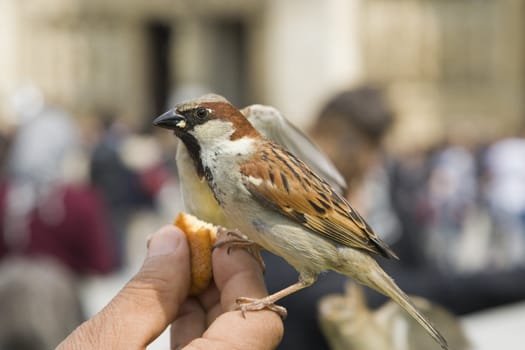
{"x":149,"y":302}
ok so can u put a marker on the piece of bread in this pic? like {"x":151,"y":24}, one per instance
{"x":201,"y":236}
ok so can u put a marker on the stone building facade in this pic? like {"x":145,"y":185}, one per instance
{"x":442,"y":62}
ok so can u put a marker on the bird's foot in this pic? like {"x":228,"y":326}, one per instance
{"x":236,"y":240}
{"x":251,"y":304}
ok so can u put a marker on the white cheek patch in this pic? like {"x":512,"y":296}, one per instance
{"x":212,"y":132}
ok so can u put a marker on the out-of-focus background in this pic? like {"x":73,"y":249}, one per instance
{"x":419,"y":103}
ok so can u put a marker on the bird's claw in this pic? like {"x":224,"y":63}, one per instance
{"x":240,"y":241}
{"x":252,"y":304}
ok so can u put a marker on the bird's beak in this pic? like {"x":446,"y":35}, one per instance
{"x":171,"y":120}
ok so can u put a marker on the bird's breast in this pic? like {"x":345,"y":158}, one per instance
{"x":221,"y":168}
{"x":196,"y":194}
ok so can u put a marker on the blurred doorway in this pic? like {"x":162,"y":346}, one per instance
{"x":158,"y":36}
{"x":230,"y":73}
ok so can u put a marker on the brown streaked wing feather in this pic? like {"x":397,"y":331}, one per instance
{"x":289,"y":187}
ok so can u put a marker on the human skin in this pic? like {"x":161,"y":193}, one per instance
{"x":157,"y":297}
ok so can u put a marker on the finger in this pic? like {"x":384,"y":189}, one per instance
{"x":237,"y":275}
{"x":150,"y":300}
{"x":259,"y":330}
{"x":189,"y":324}
{"x":210,"y":300}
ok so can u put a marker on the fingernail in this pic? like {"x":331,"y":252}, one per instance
{"x":162,"y":242}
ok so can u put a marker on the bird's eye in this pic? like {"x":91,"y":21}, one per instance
{"x":201,"y":113}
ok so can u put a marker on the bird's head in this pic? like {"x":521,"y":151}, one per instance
{"x":206,"y":120}
{"x":206,"y":123}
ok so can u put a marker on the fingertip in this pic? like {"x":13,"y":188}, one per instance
{"x":168,"y":258}
{"x":171,"y":229}
{"x":166,"y":269}
{"x":166,"y":240}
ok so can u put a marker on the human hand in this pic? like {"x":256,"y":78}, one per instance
{"x":157,"y":297}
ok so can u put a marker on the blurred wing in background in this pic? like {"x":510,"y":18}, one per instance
{"x":273,"y":125}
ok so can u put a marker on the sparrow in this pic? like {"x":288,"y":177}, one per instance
{"x":279,"y":203}
{"x":196,"y":194}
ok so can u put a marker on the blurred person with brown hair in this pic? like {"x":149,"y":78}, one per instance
{"x":351,"y":128}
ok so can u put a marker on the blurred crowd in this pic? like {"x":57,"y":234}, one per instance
{"x":71,"y":187}
{"x":467,"y":205}
{"x":454,"y":212}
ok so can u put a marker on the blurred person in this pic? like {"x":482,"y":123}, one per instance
{"x":408,"y":178}
{"x":39,"y":303}
{"x":44,"y":214}
{"x":451,"y":195}
{"x":121,"y":186}
{"x":164,"y":174}
{"x":4,"y":147}
{"x":351,"y":128}
{"x":504,"y":191}
{"x":152,"y":163}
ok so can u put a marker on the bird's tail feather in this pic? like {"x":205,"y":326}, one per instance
{"x":381,"y":282}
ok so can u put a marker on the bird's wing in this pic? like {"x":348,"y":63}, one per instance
{"x":274,"y":126}
{"x":280,"y":181}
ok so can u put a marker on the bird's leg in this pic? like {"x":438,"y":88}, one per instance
{"x":240,"y":241}
{"x":268,"y":302}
